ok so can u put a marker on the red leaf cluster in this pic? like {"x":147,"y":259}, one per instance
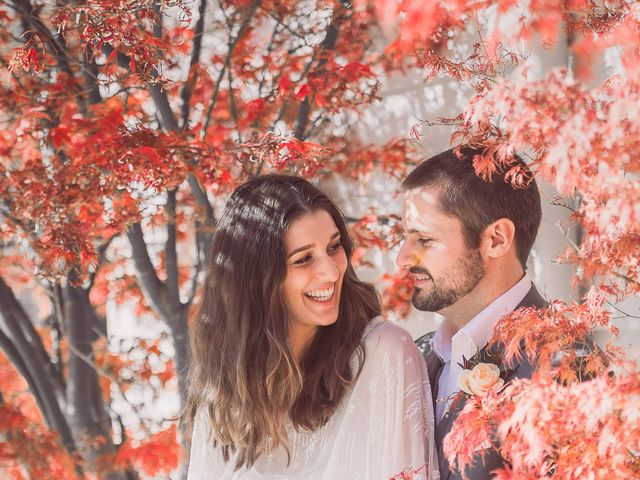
{"x":356,"y":161}
{"x":583,"y":140}
{"x":28,"y":449}
{"x":547,"y":429}
{"x":396,"y":296}
{"x":160,"y":454}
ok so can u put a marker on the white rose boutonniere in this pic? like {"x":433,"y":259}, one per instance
{"x":480,"y":380}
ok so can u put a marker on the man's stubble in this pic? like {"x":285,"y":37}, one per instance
{"x":449,"y":287}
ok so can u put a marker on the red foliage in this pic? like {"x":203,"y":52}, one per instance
{"x":396,"y":296}
{"x":160,"y":454}
{"x":358,"y":162}
{"x":28,"y":449}
{"x":547,"y":429}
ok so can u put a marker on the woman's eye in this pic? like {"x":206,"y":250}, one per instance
{"x":335,"y":247}
{"x":302,"y":260}
{"x":424,"y":241}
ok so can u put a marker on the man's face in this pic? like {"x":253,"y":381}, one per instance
{"x":435,"y":253}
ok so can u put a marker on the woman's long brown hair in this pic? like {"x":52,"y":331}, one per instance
{"x":243,"y":373}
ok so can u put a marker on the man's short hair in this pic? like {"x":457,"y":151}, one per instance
{"x":476,"y":202}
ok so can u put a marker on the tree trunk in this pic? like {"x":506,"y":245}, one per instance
{"x":90,"y":423}
{"x":180,"y":333}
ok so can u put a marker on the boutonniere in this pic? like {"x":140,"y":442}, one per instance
{"x":481,"y":379}
{"x":483,"y":373}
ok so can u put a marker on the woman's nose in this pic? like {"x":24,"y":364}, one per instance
{"x":327,"y":269}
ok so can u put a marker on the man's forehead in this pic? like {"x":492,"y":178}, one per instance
{"x":422,"y":211}
{"x":425,"y":196}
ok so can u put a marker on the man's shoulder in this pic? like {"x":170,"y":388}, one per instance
{"x":533,"y":299}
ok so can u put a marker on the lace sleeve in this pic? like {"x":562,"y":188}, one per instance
{"x":401,"y":428}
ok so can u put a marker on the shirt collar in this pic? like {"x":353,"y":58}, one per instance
{"x":479,"y":330}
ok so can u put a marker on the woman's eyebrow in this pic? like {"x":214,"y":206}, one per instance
{"x":300,"y":249}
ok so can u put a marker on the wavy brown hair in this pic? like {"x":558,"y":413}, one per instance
{"x":243,"y":373}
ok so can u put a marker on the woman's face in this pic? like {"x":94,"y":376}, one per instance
{"x":316,"y":262}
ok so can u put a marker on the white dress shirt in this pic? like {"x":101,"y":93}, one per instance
{"x":469,"y":339}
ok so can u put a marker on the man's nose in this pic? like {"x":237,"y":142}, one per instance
{"x":405,"y":259}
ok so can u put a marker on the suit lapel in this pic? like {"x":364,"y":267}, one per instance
{"x":442,"y":430}
{"x":434,"y":369}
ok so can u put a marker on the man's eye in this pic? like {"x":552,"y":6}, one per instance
{"x":424,"y":241}
{"x":302,"y":260}
{"x":335,"y":247}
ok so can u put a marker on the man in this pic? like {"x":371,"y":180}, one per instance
{"x":466,"y":247}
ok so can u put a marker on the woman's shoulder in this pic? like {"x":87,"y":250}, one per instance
{"x":384,"y":336}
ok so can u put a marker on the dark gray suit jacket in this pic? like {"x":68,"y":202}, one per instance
{"x":482,"y":467}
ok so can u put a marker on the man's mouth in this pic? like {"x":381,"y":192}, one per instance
{"x":420,"y":276}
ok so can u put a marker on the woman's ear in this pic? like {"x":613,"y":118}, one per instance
{"x":498,"y":238}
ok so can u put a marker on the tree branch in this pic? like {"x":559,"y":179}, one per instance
{"x":171,"y":255}
{"x":158,"y":95}
{"x":26,"y":345}
{"x":187,"y":89}
{"x":329,"y":43}
{"x":90,"y":422}
{"x":102,"y":252}
{"x":90,"y":74}
{"x":227,"y":64}
{"x":197,"y":266}
{"x":25,"y":10}
{"x":232,"y":105}
{"x":152,"y":287}
{"x":104,"y":373}
{"x":163,"y":107}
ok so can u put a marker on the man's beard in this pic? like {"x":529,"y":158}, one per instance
{"x":452,"y":285}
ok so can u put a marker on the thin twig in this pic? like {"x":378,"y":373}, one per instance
{"x":232,"y":105}
{"x":625,"y":314}
{"x":227,"y":64}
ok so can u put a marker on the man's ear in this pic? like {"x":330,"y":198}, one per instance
{"x":498,"y":237}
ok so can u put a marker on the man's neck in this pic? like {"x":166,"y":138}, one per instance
{"x":487,"y":291}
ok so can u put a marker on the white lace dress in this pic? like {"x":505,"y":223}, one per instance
{"x":384,"y":425}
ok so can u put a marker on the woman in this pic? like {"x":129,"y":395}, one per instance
{"x":294,"y":373}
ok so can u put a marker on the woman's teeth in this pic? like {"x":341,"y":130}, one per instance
{"x":321,"y":295}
